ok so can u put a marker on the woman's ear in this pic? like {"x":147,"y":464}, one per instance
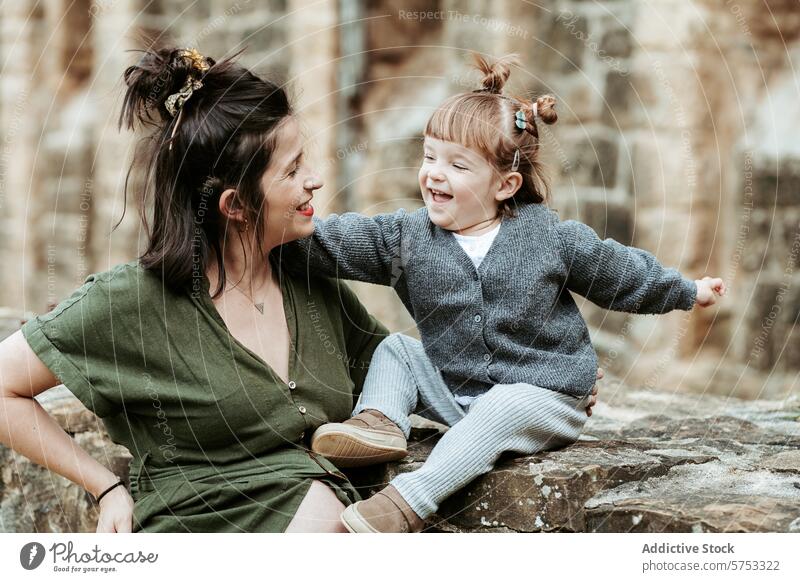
{"x":509,"y":185}
{"x":230,"y":207}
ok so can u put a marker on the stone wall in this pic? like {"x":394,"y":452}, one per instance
{"x":675,"y":135}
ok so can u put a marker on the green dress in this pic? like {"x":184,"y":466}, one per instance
{"x":219,"y":441}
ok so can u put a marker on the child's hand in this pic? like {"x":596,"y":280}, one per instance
{"x":707,"y":287}
{"x":593,"y":399}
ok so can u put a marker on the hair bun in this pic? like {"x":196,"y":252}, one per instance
{"x":495,"y":74}
{"x":546,"y":109}
{"x":159,"y":73}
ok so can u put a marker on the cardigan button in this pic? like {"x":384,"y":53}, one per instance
{"x":302,"y":409}
{"x":487,"y":357}
{"x":292,"y":385}
{"x":477,"y":318}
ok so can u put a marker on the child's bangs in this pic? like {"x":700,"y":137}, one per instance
{"x":469,"y":120}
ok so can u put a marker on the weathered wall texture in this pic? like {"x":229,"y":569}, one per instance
{"x":676,"y":134}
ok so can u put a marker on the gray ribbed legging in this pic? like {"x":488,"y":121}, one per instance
{"x":509,"y":417}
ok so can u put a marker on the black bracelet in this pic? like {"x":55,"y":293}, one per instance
{"x":114,"y":486}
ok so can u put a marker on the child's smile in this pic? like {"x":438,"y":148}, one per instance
{"x":440,"y":197}
{"x":459,"y":187}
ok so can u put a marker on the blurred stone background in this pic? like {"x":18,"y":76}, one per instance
{"x":677,"y":134}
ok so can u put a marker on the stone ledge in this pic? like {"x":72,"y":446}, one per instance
{"x":647,"y":462}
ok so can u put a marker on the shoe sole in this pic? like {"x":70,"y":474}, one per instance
{"x":353,"y":522}
{"x":348,"y":446}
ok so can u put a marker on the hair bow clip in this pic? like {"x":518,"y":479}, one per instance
{"x":520,"y":120}
{"x":175,"y":102}
{"x":198,"y":61}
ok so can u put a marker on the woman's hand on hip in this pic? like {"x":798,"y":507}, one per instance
{"x":593,"y":399}
{"x":116,"y":512}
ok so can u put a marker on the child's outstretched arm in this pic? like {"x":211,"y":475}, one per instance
{"x":622,"y":278}
{"x":349,"y":246}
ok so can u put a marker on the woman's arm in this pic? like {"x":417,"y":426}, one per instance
{"x":350,"y":246}
{"x":618,"y":277}
{"x":28,"y":429}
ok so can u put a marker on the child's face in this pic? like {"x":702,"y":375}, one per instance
{"x":459,"y":186}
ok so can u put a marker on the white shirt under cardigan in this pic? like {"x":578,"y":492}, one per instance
{"x":511,"y":320}
{"x":476,"y":248}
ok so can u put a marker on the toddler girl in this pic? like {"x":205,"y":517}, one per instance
{"x":486,"y":270}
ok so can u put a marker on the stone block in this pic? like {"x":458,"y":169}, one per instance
{"x":791,"y":236}
{"x":577,"y":102}
{"x":631,"y":98}
{"x":758,"y":254}
{"x":593,"y":163}
{"x":764,"y":344}
{"x":666,"y":233}
{"x":661,"y":512}
{"x":266,"y":37}
{"x":389,"y":20}
{"x":562,"y":46}
{"x":610,"y":220}
{"x":777,"y":185}
{"x":617,"y":42}
{"x":667,"y":24}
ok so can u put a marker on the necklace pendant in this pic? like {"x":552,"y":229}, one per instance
{"x":260,"y":307}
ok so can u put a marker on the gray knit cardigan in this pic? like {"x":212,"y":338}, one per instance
{"x":511,"y":320}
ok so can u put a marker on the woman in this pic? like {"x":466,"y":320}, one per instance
{"x":208,"y":361}
{"x":203,"y":358}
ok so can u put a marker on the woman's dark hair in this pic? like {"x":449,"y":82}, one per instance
{"x":225,"y":137}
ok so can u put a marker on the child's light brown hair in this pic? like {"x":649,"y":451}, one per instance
{"x":484,"y":120}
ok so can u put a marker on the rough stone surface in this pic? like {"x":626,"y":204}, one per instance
{"x":610,"y":221}
{"x":647,"y":462}
{"x":33,"y":499}
{"x":595,"y":163}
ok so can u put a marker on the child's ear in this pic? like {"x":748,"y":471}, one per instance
{"x":509,"y":185}
{"x":230,"y":207}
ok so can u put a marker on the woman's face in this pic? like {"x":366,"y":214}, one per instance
{"x":288,"y":185}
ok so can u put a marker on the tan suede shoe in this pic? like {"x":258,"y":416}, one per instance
{"x":384,"y":512}
{"x":366,"y":439}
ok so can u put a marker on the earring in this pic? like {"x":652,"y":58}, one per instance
{"x":246,"y":226}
